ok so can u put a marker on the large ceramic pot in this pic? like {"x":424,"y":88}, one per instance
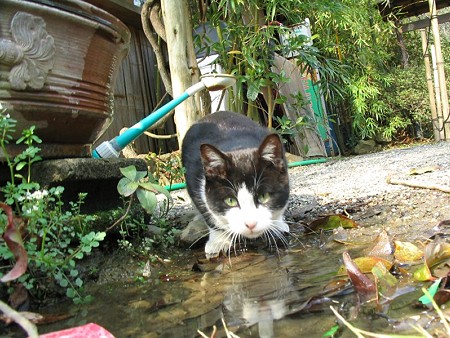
{"x":58,"y":63}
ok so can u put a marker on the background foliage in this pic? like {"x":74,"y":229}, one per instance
{"x":368,"y":91}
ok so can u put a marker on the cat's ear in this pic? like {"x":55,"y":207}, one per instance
{"x":271,"y":150}
{"x":213,"y":160}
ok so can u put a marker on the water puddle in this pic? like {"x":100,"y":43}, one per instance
{"x":257,"y":294}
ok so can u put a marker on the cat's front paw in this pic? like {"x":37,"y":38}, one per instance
{"x":216,"y":244}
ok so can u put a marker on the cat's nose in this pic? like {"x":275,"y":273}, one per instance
{"x":250,"y":224}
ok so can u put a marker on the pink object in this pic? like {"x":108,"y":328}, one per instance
{"x":90,"y":330}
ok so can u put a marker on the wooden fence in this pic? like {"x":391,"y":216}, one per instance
{"x":138,"y":92}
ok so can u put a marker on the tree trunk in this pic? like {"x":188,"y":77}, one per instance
{"x":401,"y":43}
{"x":184,"y":71}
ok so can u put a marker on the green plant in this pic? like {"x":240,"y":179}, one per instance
{"x":167,"y":168}
{"x":286,"y":127}
{"x":54,"y":238}
{"x":145,"y":187}
{"x":247,"y":45}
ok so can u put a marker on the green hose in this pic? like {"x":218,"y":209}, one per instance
{"x":177,"y":186}
{"x":306,"y":162}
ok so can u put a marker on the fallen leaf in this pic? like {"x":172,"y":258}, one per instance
{"x":382,"y":246}
{"x":423,"y":274}
{"x":366,"y":264}
{"x":386,"y":283}
{"x":423,"y":170}
{"x":442,"y":296}
{"x":406,"y":252}
{"x":363,"y":285}
{"x":335,"y":285}
{"x":13,"y":240}
{"x":435,"y":253}
{"x":332,"y":222}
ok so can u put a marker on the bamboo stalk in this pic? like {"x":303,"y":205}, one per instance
{"x":426,"y":59}
{"x":440,"y":69}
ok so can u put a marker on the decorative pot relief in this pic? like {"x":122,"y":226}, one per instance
{"x":30,"y":54}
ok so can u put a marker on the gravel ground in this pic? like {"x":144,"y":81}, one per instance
{"x":365,"y":175}
{"x":357,"y":187}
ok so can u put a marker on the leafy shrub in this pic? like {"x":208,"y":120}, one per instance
{"x":392,"y":104}
{"x":407,"y":99}
{"x":54,"y":238}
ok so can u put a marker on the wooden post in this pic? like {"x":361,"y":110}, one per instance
{"x":184,"y":70}
{"x":426,"y":58}
{"x":440,"y":69}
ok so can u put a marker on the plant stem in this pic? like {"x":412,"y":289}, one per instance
{"x":28,"y":326}
{"x":122,"y":218}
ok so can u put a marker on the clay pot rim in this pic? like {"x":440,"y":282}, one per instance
{"x":89,"y":12}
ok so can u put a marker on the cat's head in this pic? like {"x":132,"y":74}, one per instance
{"x":247,"y":190}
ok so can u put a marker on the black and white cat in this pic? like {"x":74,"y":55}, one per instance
{"x":237,"y":177}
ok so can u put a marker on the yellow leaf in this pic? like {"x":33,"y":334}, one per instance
{"x":423,"y":274}
{"x":366,"y":264}
{"x":332,"y":222}
{"x":407,"y":252}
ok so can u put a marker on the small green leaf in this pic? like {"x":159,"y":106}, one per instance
{"x":125,"y":187}
{"x":79,"y":282}
{"x":20,"y":165}
{"x":252,"y":92}
{"x":155,"y":188}
{"x":70,"y":293}
{"x":86,"y":249}
{"x":63,"y":283}
{"x":129,"y":172}
{"x":100,"y":236}
{"x":147,"y":199}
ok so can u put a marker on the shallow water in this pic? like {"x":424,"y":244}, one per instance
{"x":257,"y":294}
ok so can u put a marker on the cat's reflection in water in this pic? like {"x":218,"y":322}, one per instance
{"x":259,"y":300}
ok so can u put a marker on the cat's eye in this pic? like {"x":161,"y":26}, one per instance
{"x":263,"y":198}
{"x":231,"y":202}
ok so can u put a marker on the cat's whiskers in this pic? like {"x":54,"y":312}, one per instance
{"x":235,"y":239}
{"x":277,"y":234}
{"x":270,"y":237}
{"x":258,"y":178}
{"x":203,"y":233}
{"x":232,"y":186}
{"x":224,"y":237}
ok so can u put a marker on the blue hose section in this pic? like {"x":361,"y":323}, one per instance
{"x":133,"y":132}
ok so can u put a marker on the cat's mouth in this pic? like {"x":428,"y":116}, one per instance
{"x":251,"y":233}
